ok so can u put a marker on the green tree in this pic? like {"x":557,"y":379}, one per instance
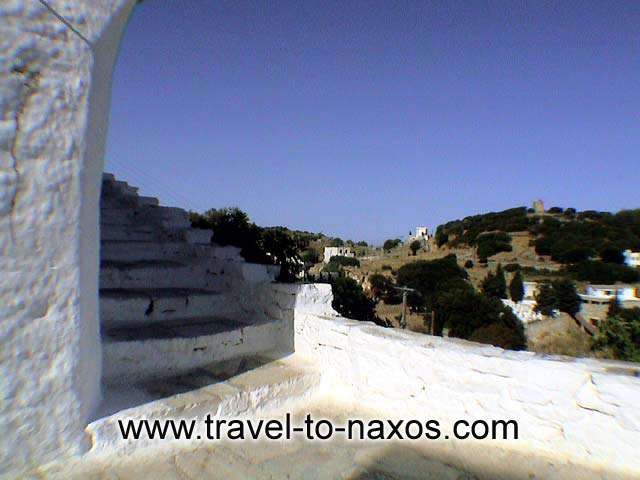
{"x":345,"y":261}
{"x":350,"y":301}
{"x":546,"y":301}
{"x":516,"y":287}
{"x":507,"y":332}
{"x":618,"y":337}
{"x":414,"y":247}
{"x":391,"y":244}
{"x":310,"y":257}
{"x":281,"y":247}
{"x":567,"y":298}
{"x":336,"y":242}
{"x":495,"y":285}
{"x":428,"y":277}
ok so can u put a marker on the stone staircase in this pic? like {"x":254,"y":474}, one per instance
{"x":170,"y":300}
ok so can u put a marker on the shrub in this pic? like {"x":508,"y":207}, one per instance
{"x":386,"y":267}
{"x":546,"y":301}
{"x":512,"y":267}
{"x":495,"y":285}
{"x":516,"y":287}
{"x":468,"y":264}
{"x":603,"y":273}
{"x":391,"y":244}
{"x":310,"y":257}
{"x":619,"y":336}
{"x":612,"y":254}
{"x":566,"y":296}
{"x":427,"y":277}
{"x":336,"y":242}
{"x":414,"y":247}
{"x":350,"y":301}
{"x":492,"y":243}
{"x":344,"y":261}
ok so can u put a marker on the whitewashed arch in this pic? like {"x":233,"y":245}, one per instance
{"x":56,"y":62}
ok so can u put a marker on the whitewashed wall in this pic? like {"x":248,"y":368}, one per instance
{"x":54,"y":103}
{"x":577,"y":412}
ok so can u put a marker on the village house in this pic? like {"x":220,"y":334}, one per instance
{"x":632,"y":259}
{"x":337,"y":252}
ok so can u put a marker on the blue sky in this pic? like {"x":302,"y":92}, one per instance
{"x":363,"y":119}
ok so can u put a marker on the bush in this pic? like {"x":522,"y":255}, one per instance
{"x":472,"y":316}
{"x":546,"y":301}
{"x":336,"y":242}
{"x":495,"y":285}
{"x":382,"y":288}
{"x":492,"y":243}
{"x":507,"y":333}
{"x":344,"y":261}
{"x":386,"y":267}
{"x":512,"y":267}
{"x":516,"y":288}
{"x":310,"y":257}
{"x":350,"y":301}
{"x":602,"y":273}
{"x":414,"y":247}
{"x":555,"y":210}
{"x":391,"y":244}
{"x":427,"y":277}
{"x":612,"y":254}
{"x":566,"y":296}
{"x":619,"y":336}
{"x":468,"y":264}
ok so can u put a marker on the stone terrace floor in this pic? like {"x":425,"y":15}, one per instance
{"x":295,"y":459}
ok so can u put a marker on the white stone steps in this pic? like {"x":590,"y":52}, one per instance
{"x":173,"y":348}
{"x":143,"y":307}
{"x":125,"y":232}
{"x":132,"y":251}
{"x":148,"y":201}
{"x":164,"y":274}
{"x":285,"y":383}
{"x":122,"y":214}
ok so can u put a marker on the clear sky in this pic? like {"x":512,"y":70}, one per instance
{"x":363,"y":119}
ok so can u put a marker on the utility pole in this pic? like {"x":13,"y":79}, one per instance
{"x":403,"y":319}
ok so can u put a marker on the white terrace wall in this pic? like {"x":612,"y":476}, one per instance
{"x":573,"y":413}
{"x":54,"y":102}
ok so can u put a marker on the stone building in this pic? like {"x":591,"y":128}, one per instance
{"x":632,"y":259}
{"x":337,"y":252}
{"x":538,"y":207}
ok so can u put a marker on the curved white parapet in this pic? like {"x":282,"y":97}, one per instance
{"x":569,"y":411}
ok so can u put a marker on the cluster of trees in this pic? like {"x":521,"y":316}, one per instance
{"x":601,"y":272}
{"x":272,"y":245}
{"x":489,"y":244}
{"x":559,"y":295}
{"x":466,"y":231}
{"x":589,"y":235}
{"x":338,"y":242}
{"x":336,"y":263}
{"x":589,"y":243}
{"x":443,"y":290}
{"x":619,"y":336}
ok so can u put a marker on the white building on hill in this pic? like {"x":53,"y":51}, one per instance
{"x":632,"y":259}
{"x":337,"y":252}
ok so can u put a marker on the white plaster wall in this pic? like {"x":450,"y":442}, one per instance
{"x":579,"y":411}
{"x":54,"y":95}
